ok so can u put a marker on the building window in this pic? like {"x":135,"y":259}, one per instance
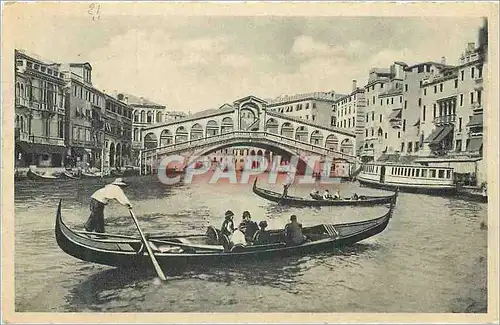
{"x":406,"y":87}
{"x":419,"y":102}
{"x":459,"y":124}
{"x":472,"y":97}
{"x":479,"y":97}
{"x":367,"y":117}
{"x":385,"y":136}
{"x":373,"y":116}
{"x":456,"y":83}
{"x":435,"y":89}
{"x":366,"y":132}
{"x":402,"y":146}
{"x":400,"y":99}
{"x":462,"y":75}
{"x":372,"y":132}
{"x":425,"y":91}
{"x":406,"y":104}
{"x":314,"y":105}
{"x":480,"y":72}
{"x":416,"y":147}
{"x":458,"y":145}
{"x":472,"y":70}
{"x":373,"y":100}
{"x":423,"y":114}
{"x":434,"y":110}
{"x":410,"y":146}
{"x":381,"y":102}
{"x":380,"y":118}
{"x":399,"y":135}
{"x":461,"y":99}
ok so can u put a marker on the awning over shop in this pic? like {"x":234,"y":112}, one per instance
{"x":439,"y":134}
{"x":476,"y":120}
{"x":395,"y":114}
{"x":475,"y":144}
{"x":28,"y":147}
{"x":434,"y":134}
{"x":447,"y":130}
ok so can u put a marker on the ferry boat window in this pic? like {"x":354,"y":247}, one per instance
{"x":413,"y":172}
{"x":448,"y":174}
{"x":441,"y":173}
{"x":418,"y":173}
{"x":432,"y":173}
{"x":424,"y":172}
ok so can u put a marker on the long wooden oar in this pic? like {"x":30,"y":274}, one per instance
{"x":150,"y":251}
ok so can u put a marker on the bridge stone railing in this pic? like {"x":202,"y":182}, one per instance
{"x":263,"y":137}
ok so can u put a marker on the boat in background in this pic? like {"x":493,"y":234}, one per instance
{"x":70,"y":175}
{"x":408,"y":178}
{"x":363,"y":200}
{"x":180,"y":252}
{"x":34,"y":176}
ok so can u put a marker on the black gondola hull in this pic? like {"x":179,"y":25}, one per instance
{"x":300,"y":202}
{"x":129,"y":253}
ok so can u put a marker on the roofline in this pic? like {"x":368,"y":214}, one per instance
{"x":188,"y":119}
{"x":300,"y":100}
{"x":428,"y":62}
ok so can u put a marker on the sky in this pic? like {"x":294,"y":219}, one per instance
{"x":195,"y":63}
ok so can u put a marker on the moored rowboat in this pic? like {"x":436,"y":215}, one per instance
{"x":40,"y":177}
{"x":174,"y":252}
{"x":69,"y":175}
{"x":364,"y":200}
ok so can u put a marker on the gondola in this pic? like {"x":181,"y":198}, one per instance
{"x":69,"y":175}
{"x":363,"y":200}
{"x":40,"y":177}
{"x":95,"y":175}
{"x":181,"y":252}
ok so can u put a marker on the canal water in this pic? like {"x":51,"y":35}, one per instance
{"x":431,"y":258}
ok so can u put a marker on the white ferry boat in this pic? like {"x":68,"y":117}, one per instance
{"x":409,"y":178}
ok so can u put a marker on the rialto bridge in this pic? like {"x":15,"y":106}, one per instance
{"x":245,"y":123}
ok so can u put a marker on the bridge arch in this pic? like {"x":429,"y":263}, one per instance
{"x":166,"y":137}
{"x":302,"y":133}
{"x":287,"y":130}
{"x":150,"y":141}
{"x":317,"y":138}
{"x":272,"y":126}
{"x":227,"y":125}
{"x":212,"y":128}
{"x":181,"y":134}
{"x":332,"y":142}
{"x":196,"y":131}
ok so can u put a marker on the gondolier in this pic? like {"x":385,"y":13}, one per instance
{"x":288,"y":182}
{"x":100,"y":199}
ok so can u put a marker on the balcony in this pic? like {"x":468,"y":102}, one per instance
{"x":22,"y":102}
{"x":477,"y":108}
{"x":445,"y":119}
{"x":479,"y":80}
{"x":21,"y":135}
{"x":46,"y":140}
{"x":395,"y":123}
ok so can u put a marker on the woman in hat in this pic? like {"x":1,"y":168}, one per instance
{"x":228,"y":224}
{"x":100,"y":199}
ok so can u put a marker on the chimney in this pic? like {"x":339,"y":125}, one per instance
{"x":470,"y":46}
{"x":443,"y":60}
{"x":354,"y":85}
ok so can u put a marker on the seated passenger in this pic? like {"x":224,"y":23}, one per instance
{"x":261,"y":236}
{"x":249,"y":227}
{"x":314,"y":193}
{"x":227,"y":227}
{"x":327,"y":195}
{"x":238,"y":238}
{"x":337,"y":195}
{"x":293,"y":232}
{"x":355,"y":196}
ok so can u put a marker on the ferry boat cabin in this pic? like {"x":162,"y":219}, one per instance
{"x":408,"y":177}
